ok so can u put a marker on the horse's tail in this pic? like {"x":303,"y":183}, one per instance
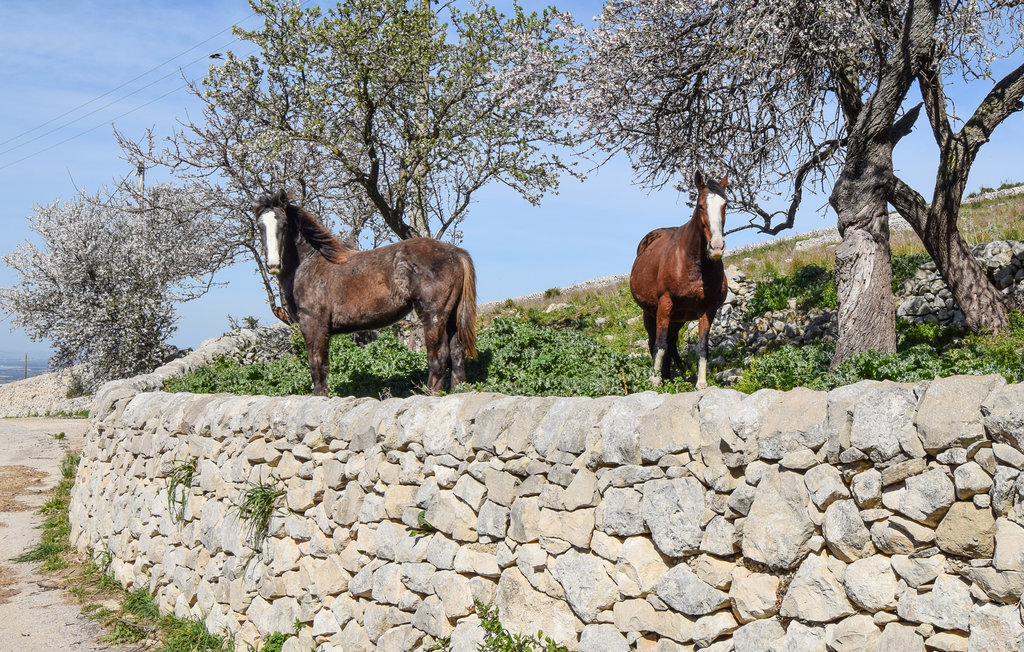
{"x":467,"y":305}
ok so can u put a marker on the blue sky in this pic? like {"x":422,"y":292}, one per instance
{"x":120,"y":59}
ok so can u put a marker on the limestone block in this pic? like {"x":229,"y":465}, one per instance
{"x":524,"y":610}
{"x":917,"y":571}
{"x":801,"y":638}
{"x":924,"y":498}
{"x":576,"y":527}
{"x":1009,"y":546}
{"x":430,"y":617}
{"x":640,"y":564}
{"x":899,"y":638}
{"x":586,"y":583}
{"x":1001,"y":586}
{"x":970,"y":479}
{"x":967,"y":531}
{"x":946,"y":606}
{"x":995,"y":629}
{"x":815,"y":594}
{"x":825,"y":485}
{"x":710,"y":627}
{"x":641,"y":616}
{"x":493,"y":520}
{"x":1003,"y":415}
{"x":845,"y":533}
{"x":871,"y":583}
{"x":856,"y":633}
{"x":883,"y":422}
{"x":753,"y":595}
{"x":672,"y":510}
{"x":602,"y":638}
{"x":949,"y":413}
{"x":778,"y":526}
{"x":720,"y":537}
{"x":897,"y":535}
{"x":685,"y":592}
{"x":474,"y":560}
{"x":619,"y":513}
{"x":867,"y":488}
{"x":758,"y":636}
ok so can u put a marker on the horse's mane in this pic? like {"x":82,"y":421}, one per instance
{"x":309,"y":226}
{"x":318,"y":236}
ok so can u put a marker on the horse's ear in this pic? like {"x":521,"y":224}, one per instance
{"x":725,"y":181}
{"x":698,"y":179}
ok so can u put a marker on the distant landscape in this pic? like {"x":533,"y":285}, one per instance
{"x":12,"y":366}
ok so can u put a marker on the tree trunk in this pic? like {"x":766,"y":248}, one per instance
{"x":867,"y":318}
{"x":973,"y":291}
{"x":978,"y":298}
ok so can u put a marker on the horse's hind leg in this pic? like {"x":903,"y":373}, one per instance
{"x":673,"y":347}
{"x":456,"y":351}
{"x":435,"y":337}
{"x":660,"y":347}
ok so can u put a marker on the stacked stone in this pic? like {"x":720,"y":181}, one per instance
{"x":926,"y":299}
{"x":263,"y":344}
{"x":874,"y":516}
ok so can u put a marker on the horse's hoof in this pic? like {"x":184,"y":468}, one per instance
{"x":700,"y":386}
{"x":655,"y":381}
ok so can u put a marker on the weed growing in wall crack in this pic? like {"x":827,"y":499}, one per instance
{"x":258,"y":505}
{"x":179,"y":479}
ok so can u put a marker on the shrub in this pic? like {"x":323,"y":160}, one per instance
{"x":812,"y":286}
{"x":519,"y":357}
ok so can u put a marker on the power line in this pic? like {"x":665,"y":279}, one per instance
{"x":119,"y":87}
{"x":91,"y":129}
{"x":105,"y":106}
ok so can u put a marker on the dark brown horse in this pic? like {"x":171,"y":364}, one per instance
{"x":678,"y":277}
{"x":330,"y":288}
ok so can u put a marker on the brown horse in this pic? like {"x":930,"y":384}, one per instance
{"x":330,"y":288}
{"x":678,"y":277}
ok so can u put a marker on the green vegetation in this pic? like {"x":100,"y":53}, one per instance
{"x":179,"y":479}
{"x":496,"y":639}
{"x":423,"y":526}
{"x":53,"y":543}
{"x":258,"y":505}
{"x":812,"y":286}
{"x":924,"y":351}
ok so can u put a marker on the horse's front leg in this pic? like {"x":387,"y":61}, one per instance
{"x":703,"y":331}
{"x":662,"y":322}
{"x":317,"y":343}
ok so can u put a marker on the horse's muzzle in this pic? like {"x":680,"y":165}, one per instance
{"x":274,"y":269}
{"x":716,"y":248}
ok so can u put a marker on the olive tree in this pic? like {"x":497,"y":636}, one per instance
{"x":790,"y":96}
{"x":383,"y":116}
{"x":102,"y":282}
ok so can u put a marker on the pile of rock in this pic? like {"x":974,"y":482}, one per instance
{"x":43,"y":395}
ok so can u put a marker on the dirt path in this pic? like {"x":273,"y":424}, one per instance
{"x":35,"y":616}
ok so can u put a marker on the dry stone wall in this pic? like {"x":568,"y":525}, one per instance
{"x":874,"y":516}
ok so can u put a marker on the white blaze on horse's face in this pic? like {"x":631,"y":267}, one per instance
{"x":273,"y":241}
{"x":715,"y":207}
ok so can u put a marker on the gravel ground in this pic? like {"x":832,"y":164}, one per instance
{"x":35,"y":614}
